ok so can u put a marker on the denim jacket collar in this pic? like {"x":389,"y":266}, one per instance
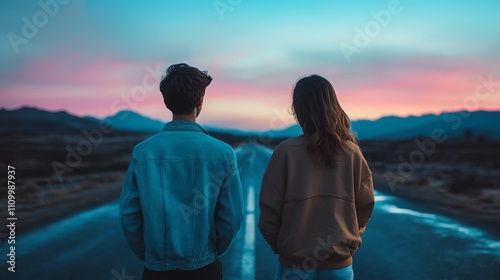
{"x":184,"y":125}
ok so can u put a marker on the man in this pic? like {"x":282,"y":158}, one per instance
{"x":181,"y":201}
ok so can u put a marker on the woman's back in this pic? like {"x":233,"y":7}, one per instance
{"x":317,"y":192}
{"x":316,"y":207}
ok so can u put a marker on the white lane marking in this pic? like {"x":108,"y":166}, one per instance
{"x":397,"y":210}
{"x":248,"y":258}
{"x":379,"y":198}
{"x":251,"y":199}
{"x":445,"y":227}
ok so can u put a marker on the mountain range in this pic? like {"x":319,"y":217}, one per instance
{"x":453,"y":124}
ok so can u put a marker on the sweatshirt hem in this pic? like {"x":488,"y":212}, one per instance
{"x":312,"y":264}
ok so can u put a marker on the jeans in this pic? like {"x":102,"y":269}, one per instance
{"x":212,"y":271}
{"x":287,"y":273}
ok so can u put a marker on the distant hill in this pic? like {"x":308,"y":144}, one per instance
{"x":29,"y":119}
{"x":132,"y":121}
{"x":479,"y":123}
{"x":291,"y":131}
{"x":453,"y":124}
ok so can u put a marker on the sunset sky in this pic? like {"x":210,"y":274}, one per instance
{"x":382,"y":57}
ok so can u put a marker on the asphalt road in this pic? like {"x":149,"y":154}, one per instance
{"x":403,"y":241}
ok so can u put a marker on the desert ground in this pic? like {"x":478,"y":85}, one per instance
{"x":59,"y":175}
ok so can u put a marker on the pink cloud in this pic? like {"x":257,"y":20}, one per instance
{"x":74,"y":69}
{"x":413,"y":86}
{"x":103,"y":86}
{"x":82,"y":86}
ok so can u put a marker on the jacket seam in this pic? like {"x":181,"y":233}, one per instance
{"x":162,"y":175}
{"x":125,"y":204}
{"x":230,"y":202}
{"x":274,"y":186}
{"x":127,"y":196}
{"x":367,"y":177}
{"x":229,"y":174}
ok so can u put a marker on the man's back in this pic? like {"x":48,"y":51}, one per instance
{"x":183,"y":198}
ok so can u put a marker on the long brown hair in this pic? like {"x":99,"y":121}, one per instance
{"x":325,"y":124}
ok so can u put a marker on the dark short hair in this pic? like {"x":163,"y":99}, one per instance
{"x":182,"y":86}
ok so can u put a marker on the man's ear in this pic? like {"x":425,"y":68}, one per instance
{"x":200,"y":101}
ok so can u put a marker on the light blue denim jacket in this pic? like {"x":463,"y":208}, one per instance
{"x":181,"y":201}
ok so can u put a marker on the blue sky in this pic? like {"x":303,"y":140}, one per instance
{"x":425,"y":58}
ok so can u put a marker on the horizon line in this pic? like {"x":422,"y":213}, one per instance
{"x":222,"y":127}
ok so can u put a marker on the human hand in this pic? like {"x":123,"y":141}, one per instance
{"x":362,"y":230}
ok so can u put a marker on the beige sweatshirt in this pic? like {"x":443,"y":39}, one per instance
{"x":311,"y":215}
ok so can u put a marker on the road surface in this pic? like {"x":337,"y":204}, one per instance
{"x":403,"y":241}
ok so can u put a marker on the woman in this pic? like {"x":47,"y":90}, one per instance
{"x":317,"y":192}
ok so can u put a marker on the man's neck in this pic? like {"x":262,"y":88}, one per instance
{"x":189,"y":118}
